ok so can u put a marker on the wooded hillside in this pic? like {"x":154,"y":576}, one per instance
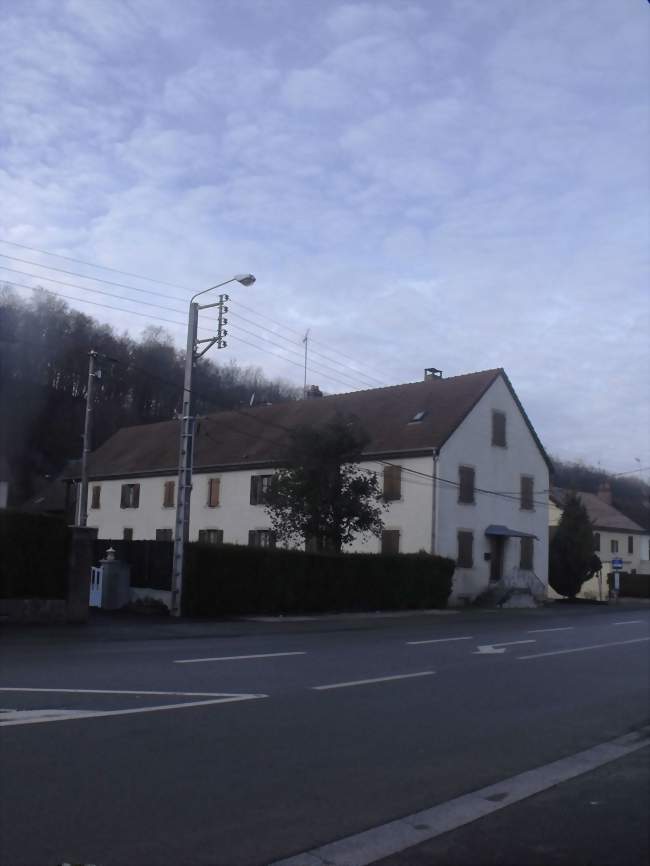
{"x":44,"y":349}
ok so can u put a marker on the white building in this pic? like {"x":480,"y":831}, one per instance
{"x":467,"y":476}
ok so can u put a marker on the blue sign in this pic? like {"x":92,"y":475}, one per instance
{"x":617,"y":564}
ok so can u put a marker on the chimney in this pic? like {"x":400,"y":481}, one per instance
{"x":605,"y":492}
{"x":313,"y":392}
{"x":432,"y":373}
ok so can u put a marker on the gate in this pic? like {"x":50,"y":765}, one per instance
{"x":96,"y":574}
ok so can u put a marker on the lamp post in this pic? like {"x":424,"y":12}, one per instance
{"x":182,"y":524}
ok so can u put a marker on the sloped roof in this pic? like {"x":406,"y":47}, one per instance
{"x":601,"y":514}
{"x":259,"y":435}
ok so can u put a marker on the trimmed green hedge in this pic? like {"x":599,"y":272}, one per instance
{"x":232,"y":580}
{"x":33,"y":555}
{"x":632,"y":585}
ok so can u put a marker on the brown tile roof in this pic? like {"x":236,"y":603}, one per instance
{"x":259,"y":435}
{"x":601,"y":514}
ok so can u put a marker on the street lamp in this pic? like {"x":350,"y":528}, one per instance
{"x":182,"y":525}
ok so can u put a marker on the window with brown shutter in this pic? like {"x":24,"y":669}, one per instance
{"x":390,"y":541}
{"x":630,"y":544}
{"x":130,"y":496}
{"x":466,"y":484}
{"x":259,"y":488}
{"x":614,"y":545}
{"x":97,"y":490}
{"x":526,"y":554}
{"x":392,"y":483}
{"x":214,"y":488}
{"x":465,"y":549}
{"x":526,"y":498}
{"x":211,"y":536}
{"x":164,"y":535}
{"x":168,"y":494}
{"x":499,"y":429}
{"x":261,"y":538}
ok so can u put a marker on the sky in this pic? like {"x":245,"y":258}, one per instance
{"x":451,"y":183}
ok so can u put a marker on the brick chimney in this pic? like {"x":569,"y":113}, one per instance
{"x":605,"y":492}
{"x":432,"y":373}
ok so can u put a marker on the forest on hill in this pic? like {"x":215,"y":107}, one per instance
{"x":44,"y":346}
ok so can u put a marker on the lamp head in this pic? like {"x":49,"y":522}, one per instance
{"x":245,"y":279}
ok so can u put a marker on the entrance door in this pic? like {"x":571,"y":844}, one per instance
{"x":497,"y":543}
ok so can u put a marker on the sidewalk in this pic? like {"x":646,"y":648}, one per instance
{"x":599,"y":819}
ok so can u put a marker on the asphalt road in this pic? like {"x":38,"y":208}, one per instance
{"x":245,"y":742}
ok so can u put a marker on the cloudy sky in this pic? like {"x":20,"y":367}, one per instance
{"x":450,"y":183}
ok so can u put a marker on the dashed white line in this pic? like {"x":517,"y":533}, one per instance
{"x":122,"y":692}
{"x":543,"y":630}
{"x":236,"y":658}
{"x":580,"y":649}
{"x":436,"y":640}
{"x":628,"y":622}
{"x":374,"y":680}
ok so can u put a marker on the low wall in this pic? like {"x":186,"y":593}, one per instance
{"x":28,"y":610}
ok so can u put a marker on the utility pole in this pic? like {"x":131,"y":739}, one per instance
{"x":82,"y":507}
{"x":305,"y":340}
{"x":186,"y":451}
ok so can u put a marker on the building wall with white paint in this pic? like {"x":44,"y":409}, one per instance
{"x":498,"y":469}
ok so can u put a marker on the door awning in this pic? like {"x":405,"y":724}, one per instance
{"x":498,"y":529}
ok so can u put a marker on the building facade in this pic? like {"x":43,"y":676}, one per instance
{"x":462,"y":469}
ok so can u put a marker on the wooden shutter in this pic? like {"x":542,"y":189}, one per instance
{"x":466,"y":486}
{"x":392,"y":482}
{"x":255,"y":490}
{"x":526,"y":500}
{"x":96,"y":496}
{"x":214,"y":487}
{"x":124,"y":496}
{"x":499,"y":429}
{"x":390,"y":541}
{"x":526,"y":557}
{"x":136,"y":495}
{"x":630,"y":544}
{"x":168,"y":495}
{"x":465,"y":549}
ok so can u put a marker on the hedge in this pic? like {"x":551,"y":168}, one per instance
{"x":33,"y":555}
{"x":631,"y":585}
{"x":233,"y":580}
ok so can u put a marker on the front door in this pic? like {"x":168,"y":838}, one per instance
{"x":497,"y":543}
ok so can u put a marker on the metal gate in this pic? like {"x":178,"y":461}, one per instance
{"x":96,"y":575}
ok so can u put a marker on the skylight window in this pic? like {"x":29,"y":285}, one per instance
{"x":417,"y":417}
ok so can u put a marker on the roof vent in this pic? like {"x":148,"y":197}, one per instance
{"x":417,"y":417}
{"x":432,"y":373}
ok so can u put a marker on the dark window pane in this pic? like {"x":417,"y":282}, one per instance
{"x":465,"y":549}
{"x":466,"y":485}
{"x":96,"y":496}
{"x":164,"y":535}
{"x":390,"y":541}
{"x":527,"y":492}
{"x":526,"y":556}
{"x":392,"y":482}
{"x":499,"y":429}
{"x":630,"y":544}
{"x":596,"y":540}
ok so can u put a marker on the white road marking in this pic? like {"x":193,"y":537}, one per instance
{"x":236,"y":658}
{"x":580,"y":649}
{"x":436,"y":640}
{"x":380,"y":842}
{"x":375,"y":680}
{"x":628,"y":622}
{"x":543,"y":630}
{"x":491,"y":648}
{"x":122,"y":692}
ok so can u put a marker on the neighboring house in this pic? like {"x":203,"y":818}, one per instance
{"x":466,"y":477}
{"x":615,"y":535}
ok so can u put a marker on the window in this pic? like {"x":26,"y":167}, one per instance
{"x":164,"y":535}
{"x":499,"y":429}
{"x":392,"y":483}
{"x":261,"y":537}
{"x":130,"y":496}
{"x":526,"y":499}
{"x":259,"y":488}
{"x":127,"y":534}
{"x":97,"y":490}
{"x":214,"y":488}
{"x":596,"y":540}
{"x":211,"y":536}
{"x":418,"y":417}
{"x":526,"y":554}
{"x":466,"y":484}
{"x":390,"y":541}
{"x":630,"y":544}
{"x":614,"y":545}
{"x":168,"y":494}
{"x":465,"y":549}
